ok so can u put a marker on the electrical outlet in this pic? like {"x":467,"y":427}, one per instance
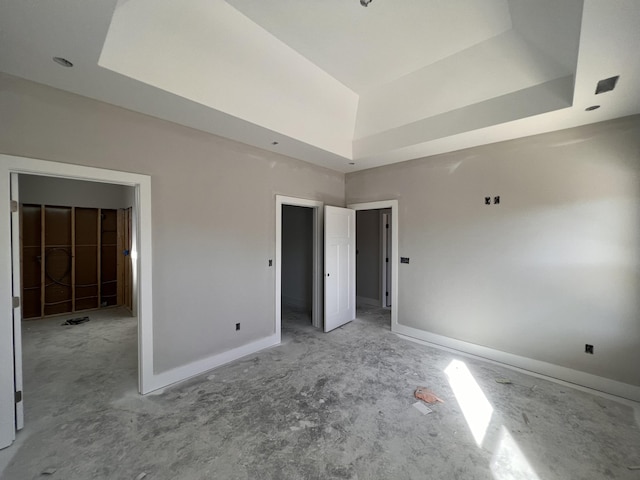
{"x":237,"y":327}
{"x":487,"y":200}
{"x":270,"y":263}
{"x":496,"y":200}
{"x":588,"y":349}
{"x":404,"y":259}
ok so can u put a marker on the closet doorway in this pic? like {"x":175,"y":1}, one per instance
{"x":75,"y":242}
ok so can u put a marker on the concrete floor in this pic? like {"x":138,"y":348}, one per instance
{"x":320,"y":406}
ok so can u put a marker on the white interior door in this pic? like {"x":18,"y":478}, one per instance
{"x":17,"y":307}
{"x":339,"y":267}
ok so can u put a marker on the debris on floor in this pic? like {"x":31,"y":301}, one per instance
{"x":422,"y":393}
{"x":525,"y":418}
{"x":504,"y":381}
{"x":422,"y":408}
{"x":634,"y":467}
{"x":48,"y":471}
{"x":76,"y":321}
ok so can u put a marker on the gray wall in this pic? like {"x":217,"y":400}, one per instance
{"x":213,"y":209}
{"x":368,"y":273}
{"x":42,"y":190}
{"x":297,"y":257}
{"x":554,"y":266}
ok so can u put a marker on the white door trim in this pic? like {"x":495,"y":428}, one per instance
{"x":318,"y":225}
{"x":141,"y":255}
{"x":17,"y":311}
{"x":384,"y":241}
{"x":395,"y":259}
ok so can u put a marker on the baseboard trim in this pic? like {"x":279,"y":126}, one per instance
{"x":574,"y":378}
{"x":368,"y":301}
{"x":180,"y":374}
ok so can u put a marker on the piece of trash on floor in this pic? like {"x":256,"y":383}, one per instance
{"x":76,"y":321}
{"x":48,"y":471}
{"x":504,"y":381}
{"x":525,"y":418}
{"x":141,"y":476}
{"x":422,"y":408}
{"x":634,"y":467}
{"x":422,"y":393}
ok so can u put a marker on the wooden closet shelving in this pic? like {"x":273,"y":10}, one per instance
{"x":70,"y":259}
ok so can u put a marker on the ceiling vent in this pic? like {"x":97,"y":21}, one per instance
{"x":607,"y":84}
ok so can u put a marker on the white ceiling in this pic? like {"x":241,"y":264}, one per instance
{"x":367,"y":48}
{"x":332,"y":82}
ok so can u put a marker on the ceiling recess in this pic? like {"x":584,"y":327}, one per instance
{"x":63,"y":61}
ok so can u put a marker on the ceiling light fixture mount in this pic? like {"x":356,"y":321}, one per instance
{"x":592,"y":108}
{"x":63,"y":61}
{"x":365,"y":3}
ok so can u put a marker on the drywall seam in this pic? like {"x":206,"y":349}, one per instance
{"x":185,"y":372}
{"x":529,"y":365}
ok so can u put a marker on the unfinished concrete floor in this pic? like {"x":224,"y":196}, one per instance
{"x":320,"y":406}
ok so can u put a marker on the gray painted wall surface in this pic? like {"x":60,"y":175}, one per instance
{"x":213,"y":209}
{"x":73,"y":193}
{"x":555,"y":266}
{"x":297,"y":256}
{"x":368,"y":259}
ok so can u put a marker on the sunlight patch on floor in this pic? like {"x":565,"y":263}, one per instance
{"x":474,"y":404}
{"x":509,"y":462}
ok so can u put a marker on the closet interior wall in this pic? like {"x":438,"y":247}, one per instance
{"x":74,"y":259}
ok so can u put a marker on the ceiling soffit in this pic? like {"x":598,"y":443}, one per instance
{"x":493,"y":64}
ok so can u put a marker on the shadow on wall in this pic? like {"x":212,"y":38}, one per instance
{"x":297,"y":258}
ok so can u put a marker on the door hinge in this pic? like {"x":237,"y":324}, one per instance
{"x":387,"y":225}
{"x":16,"y":302}
{"x":386,"y":294}
{"x":19,"y":396}
{"x":14,"y":206}
{"x":386,"y":260}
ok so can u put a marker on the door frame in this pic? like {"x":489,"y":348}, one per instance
{"x":141,"y":259}
{"x":16,"y":258}
{"x":318,"y":268}
{"x":385,"y":240}
{"x":393,"y":205}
